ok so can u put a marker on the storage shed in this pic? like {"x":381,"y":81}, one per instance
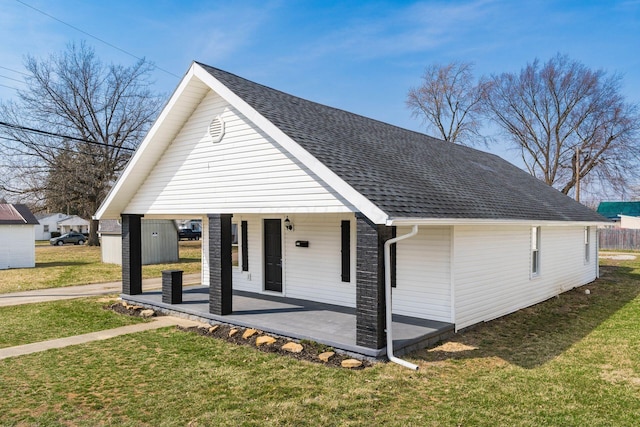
{"x":17,"y":237}
{"x":159,"y":241}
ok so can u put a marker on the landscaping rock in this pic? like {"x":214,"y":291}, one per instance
{"x":351,"y":363}
{"x":232,"y":332}
{"x":147,"y":313}
{"x":326,"y":355}
{"x":249,"y":333}
{"x":213,"y":328}
{"x":293,"y":347}
{"x":265,"y":340}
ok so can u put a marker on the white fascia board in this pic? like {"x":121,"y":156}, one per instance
{"x":360,"y":202}
{"x":120,"y":195}
{"x":472,"y":221}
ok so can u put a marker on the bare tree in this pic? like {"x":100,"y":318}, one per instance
{"x":104,"y":110}
{"x":572,"y":125}
{"x":449,"y":102}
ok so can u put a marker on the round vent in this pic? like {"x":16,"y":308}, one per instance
{"x":216,"y":129}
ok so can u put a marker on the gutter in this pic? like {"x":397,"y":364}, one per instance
{"x":388,"y":304}
{"x":479,"y":221}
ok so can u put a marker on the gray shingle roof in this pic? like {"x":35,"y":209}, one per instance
{"x":408,"y":174}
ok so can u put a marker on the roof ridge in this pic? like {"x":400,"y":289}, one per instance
{"x":342,"y":110}
{"x":406,"y":173}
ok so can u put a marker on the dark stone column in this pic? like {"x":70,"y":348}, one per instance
{"x":220,"y":286}
{"x":131,"y":254}
{"x":172,"y":286}
{"x":370,"y":299}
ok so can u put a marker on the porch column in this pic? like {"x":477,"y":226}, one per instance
{"x":220,"y":286}
{"x":131,"y":254}
{"x":370,"y":304}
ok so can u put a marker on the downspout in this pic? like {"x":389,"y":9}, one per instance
{"x":387,"y":293}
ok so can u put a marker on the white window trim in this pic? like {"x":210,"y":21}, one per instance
{"x":534,"y":250}
{"x":587,"y":245}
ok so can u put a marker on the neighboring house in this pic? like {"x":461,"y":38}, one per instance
{"x":159,"y":241}
{"x":59,"y":222}
{"x":48,"y":222}
{"x":630,"y":222}
{"x":17,"y":237}
{"x":614,"y":211}
{"x":73,"y":223}
{"x":315,"y":192}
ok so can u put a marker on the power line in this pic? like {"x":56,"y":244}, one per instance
{"x":73,"y":138}
{"x":15,"y":71}
{"x":70,"y":150}
{"x":94,"y":37}
{"x":11,"y":78}
{"x":9,"y":87}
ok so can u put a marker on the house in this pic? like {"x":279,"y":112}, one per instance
{"x":59,"y":222}
{"x":316,"y":191}
{"x":73,"y":223}
{"x":48,"y":222}
{"x":17,"y":237}
{"x":159,"y":241}
{"x":622,"y":213}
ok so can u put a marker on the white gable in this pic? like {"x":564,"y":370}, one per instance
{"x":245,"y":172}
{"x":178,"y":170}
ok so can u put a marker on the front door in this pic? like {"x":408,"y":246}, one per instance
{"x":272,"y":255}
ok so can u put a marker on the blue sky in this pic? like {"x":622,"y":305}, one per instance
{"x":356,"y":55}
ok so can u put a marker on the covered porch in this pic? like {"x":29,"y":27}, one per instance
{"x":299,"y":319}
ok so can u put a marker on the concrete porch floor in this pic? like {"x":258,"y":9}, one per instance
{"x":299,"y":319}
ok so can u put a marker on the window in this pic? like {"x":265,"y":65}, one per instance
{"x":586,"y":244}
{"x":535,"y":251}
{"x":345,"y":229}
{"x":234,"y":234}
{"x":46,"y":228}
{"x":244,"y":246}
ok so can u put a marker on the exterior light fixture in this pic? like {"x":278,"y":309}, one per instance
{"x":287,"y":224}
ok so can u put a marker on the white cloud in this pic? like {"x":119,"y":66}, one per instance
{"x":415,"y":28}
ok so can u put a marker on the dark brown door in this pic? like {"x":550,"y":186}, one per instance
{"x":272,"y":255}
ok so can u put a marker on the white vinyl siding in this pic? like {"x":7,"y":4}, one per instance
{"x":311,"y":273}
{"x":21,"y":252}
{"x":314,"y":273}
{"x":245,"y":172}
{"x":423,"y":274}
{"x":492,"y":269}
{"x":251,"y":280}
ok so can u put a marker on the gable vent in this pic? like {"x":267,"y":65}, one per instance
{"x":216,"y":129}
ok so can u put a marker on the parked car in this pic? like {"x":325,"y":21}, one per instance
{"x":187,"y":233}
{"x":73,"y":237}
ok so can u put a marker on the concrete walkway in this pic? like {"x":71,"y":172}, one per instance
{"x":52,"y":294}
{"x":45,"y":295}
{"x":156,"y":323}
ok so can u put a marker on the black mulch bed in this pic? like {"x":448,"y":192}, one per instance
{"x":310,"y":350}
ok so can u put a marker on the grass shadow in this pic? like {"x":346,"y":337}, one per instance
{"x":535,"y":335}
{"x":60,"y":264}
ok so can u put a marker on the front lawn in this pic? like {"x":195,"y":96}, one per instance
{"x":573,"y":360}
{"x":29,"y":323}
{"x":58,"y":266}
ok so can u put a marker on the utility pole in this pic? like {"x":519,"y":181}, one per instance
{"x":577,"y":174}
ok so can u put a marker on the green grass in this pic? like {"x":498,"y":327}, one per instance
{"x":573,"y":360}
{"x":58,"y":266}
{"x":29,"y":323}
